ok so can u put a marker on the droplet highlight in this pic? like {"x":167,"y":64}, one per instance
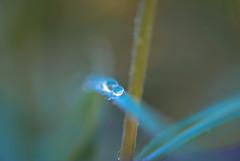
{"x":118,"y":90}
{"x":112,"y":89}
{"x":108,"y":85}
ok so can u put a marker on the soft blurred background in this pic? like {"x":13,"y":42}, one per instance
{"x":47,"y":48}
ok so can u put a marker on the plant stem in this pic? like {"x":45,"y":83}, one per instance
{"x":142,"y":37}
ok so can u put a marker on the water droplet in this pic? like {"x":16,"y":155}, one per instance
{"x":118,"y":90}
{"x":111,"y":83}
{"x":108,"y":85}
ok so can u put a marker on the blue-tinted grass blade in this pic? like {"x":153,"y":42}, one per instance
{"x":176,"y":128}
{"x":106,"y":86}
{"x":212,"y":118}
{"x":150,"y":121}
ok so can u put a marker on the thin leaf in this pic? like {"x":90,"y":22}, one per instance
{"x":167,"y":134}
{"x":217,"y":115}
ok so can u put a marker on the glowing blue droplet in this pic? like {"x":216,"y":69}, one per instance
{"x":111,"y":88}
{"x":111,"y":83}
{"x":118,"y":90}
{"x":108,"y":85}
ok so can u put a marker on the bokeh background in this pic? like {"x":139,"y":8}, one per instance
{"x":47,"y":48}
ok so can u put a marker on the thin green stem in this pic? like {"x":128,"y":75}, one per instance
{"x":142,"y":36}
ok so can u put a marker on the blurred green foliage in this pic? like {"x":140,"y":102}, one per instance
{"x":48,"y":47}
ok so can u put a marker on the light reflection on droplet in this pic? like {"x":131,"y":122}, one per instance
{"x":111,"y":88}
{"x":118,"y":90}
{"x":107,"y":85}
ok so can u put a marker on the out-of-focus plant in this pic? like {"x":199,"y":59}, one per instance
{"x":43,"y":119}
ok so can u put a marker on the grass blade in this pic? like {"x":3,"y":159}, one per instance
{"x":213,"y":117}
{"x":180,"y":126}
